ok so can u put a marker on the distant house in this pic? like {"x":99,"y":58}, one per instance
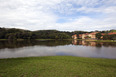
{"x":80,"y":36}
{"x":74,"y":36}
{"x":88,"y":35}
{"x":85,"y":36}
{"x":91,"y":35}
{"x":102,"y":34}
{"x":74,"y":42}
{"x":112,"y":33}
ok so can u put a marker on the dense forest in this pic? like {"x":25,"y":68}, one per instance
{"x":13,"y":33}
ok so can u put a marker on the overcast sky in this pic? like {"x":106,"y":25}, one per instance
{"x":64,"y":15}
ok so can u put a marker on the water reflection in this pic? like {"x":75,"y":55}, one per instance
{"x":95,"y":44}
{"x":9,"y":49}
{"x":17,"y":44}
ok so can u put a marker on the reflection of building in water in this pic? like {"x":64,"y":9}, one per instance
{"x":80,"y":42}
{"x":88,"y":43}
{"x":83,"y":42}
{"x":74,"y":37}
{"x":92,"y":43}
{"x":74,"y":42}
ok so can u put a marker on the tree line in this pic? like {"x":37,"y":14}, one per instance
{"x":13,"y":33}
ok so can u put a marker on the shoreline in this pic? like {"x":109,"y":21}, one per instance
{"x":64,"y":39}
{"x":100,"y":40}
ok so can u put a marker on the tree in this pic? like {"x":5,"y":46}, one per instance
{"x":11,"y":36}
{"x":98,"y":35}
{"x":106,"y":37}
{"x":112,"y":37}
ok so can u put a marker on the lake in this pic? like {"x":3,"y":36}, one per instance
{"x":14,"y":49}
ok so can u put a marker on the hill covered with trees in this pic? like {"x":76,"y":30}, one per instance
{"x":13,"y":33}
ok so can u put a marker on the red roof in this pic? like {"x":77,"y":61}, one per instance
{"x":112,"y":33}
{"x":108,"y":33}
{"x":102,"y":33}
{"x":74,"y":35}
{"x":80,"y":34}
{"x":86,"y":33}
{"x":91,"y":33}
{"x":94,"y":33}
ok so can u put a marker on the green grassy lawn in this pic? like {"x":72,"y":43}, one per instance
{"x":102,"y":40}
{"x":54,"y":39}
{"x":67,"y":39}
{"x":97,"y":40}
{"x":2,"y":39}
{"x":57,"y":66}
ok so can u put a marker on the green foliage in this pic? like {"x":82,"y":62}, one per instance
{"x":79,"y":32}
{"x":109,"y":37}
{"x":11,"y":36}
{"x":112,"y":30}
{"x":57,"y":66}
{"x":25,"y":34}
{"x":12,"y":33}
{"x":87,"y":37}
{"x":98,"y":35}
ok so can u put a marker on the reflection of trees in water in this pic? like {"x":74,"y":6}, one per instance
{"x":106,"y":44}
{"x":98,"y":45}
{"x":17,"y":44}
{"x":14,"y":44}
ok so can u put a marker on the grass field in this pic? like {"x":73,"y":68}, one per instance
{"x":101,"y":40}
{"x":67,"y":39}
{"x":57,"y":66}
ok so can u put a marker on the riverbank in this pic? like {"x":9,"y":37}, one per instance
{"x":35,"y":39}
{"x":64,"y":39}
{"x":96,"y":40}
{"x":57,"y":66}
{"x":101,"y":40}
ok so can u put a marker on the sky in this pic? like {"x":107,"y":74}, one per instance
{"x":63,"y":15}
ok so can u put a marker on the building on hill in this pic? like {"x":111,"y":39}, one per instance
{"x":111,"y":33}
{"x":88,"y":35}
{"x":74,"y":37}
{"x":91,"y":35}
{"x":80,"y":36}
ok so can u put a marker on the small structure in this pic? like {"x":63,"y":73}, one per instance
{"x":80,"y":36}
{"x":74,"y":37}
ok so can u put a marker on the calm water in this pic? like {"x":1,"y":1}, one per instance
{"x":11,"y":49}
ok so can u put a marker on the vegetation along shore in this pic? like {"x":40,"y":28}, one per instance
{"x":14,"y":34}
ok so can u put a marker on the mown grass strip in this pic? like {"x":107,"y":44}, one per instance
{"x":57,"y":66}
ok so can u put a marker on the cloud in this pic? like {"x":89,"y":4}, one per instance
{"x":45,"y":14}
{"x":26,"y":13}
